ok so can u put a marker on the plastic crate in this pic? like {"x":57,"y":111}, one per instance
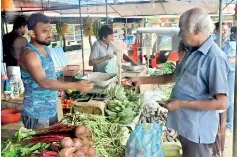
{"x":71,"y":70}
{"x":90,"y":107}
{"x":172,"y":149}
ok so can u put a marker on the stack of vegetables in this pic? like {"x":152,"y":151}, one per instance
{"x":61,"y":140}
{"x":154,"y":112}
{"x":109,"y":138}
{"x":123,"y":106}
{"x":72,"y":95}
{"x":159,"y":114}
{"x":66,"y":104}
{"x":168,"y":67}
{"x":13,"y":147}
{"x":79,"y":146}
{"x":69,"y":97}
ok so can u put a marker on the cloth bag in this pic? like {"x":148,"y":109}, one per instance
{"x":112,"y":66}
{"x":145,"y":142}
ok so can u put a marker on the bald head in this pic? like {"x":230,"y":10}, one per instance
{"x":195,"y":22}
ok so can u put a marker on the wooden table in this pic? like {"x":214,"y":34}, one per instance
{"x":9,"y":130}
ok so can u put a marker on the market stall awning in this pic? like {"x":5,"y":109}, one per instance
{"x":123,"y":8}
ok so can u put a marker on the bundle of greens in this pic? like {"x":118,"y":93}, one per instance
{"x":13,"y":146}
{"x":168,"y":67}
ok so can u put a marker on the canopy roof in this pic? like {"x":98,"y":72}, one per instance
{"x":123,"y":8}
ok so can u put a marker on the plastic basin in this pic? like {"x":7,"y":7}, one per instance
{"x":10,"y":116}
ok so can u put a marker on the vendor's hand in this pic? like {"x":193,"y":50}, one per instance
{"x":84,"y":86}
{"x":173,"y":105}
{"x":109,"y":56}
{"x":135,"y":80}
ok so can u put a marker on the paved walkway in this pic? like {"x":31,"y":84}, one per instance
{"x":228,"y":146}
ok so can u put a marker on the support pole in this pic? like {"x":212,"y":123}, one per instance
{"x":42,"y":5}
{"x":107,"y":20}
{"x":126,"y":31}
{"x":234,"y":148}
{"x":82,"y":47}
{"x":220,"y":23}
{"x":5,"y":22}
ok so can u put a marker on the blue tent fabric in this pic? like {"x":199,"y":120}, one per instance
{"x":59,"y":57}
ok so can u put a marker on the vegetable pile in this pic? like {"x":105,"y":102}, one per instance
{"x":14,"y":148}
{"x":154,"y":112}
{"x":66,"y":104}
{"x":159,"y":114}
{"x":79,"y":146}
{"x":170,"y":135}
{"x":123,"y":106}
{"x":59,"y":140}
{"x":109,"y":138}
{"x":168,"y":67}
{"x":72,"y":95}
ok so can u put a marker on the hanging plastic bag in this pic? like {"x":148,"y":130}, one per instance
{"x":112,"y":66}
{"x":145,"y":142}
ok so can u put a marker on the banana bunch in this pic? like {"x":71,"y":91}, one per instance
{"x":118,"y":112}
{"x":132,"y":96}
{"x":122,"y":106}
{"x":117,"y":92}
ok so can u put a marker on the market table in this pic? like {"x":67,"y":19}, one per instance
{"x":12,"y":103}
{"x":8,"y":130}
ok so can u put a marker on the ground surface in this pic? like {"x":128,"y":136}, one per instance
{"x":228,"y":146}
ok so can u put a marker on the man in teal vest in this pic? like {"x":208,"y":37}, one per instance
{"x":38,"y":75}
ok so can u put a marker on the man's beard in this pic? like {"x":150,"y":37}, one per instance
{"x":43,"y":43}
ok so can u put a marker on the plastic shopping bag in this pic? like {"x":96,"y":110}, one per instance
{"x":112,"y":66}
{"x":145,"y":142}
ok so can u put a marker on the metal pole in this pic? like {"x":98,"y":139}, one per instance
{"x":126,"y":31}
{"x":82,"y":47}
{"x":5,"y":21}
{"x":220,"y":24}
{"x":42,"y":4}
{"x":234,"y":148}
{"x":107,"y":20}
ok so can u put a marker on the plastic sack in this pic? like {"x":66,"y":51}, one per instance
{"x":112,"y":66}
{"x":150,"y":97}
{"x":145,"y":142}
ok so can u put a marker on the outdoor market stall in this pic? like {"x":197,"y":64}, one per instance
{"x":26,"y":141}
{"x":108,"y":134}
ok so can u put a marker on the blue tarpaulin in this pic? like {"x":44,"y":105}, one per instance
{"x":59,"y":57}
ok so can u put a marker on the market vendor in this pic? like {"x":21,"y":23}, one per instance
{"x":201,"y":87}
{"x":14,"y":41}
{"x":38,"y":74}
{"x":103,"y":50}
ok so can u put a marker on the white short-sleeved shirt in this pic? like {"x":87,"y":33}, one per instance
{"x":99,"y":51}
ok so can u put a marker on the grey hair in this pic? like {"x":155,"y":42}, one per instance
{"x":200,"y":22}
